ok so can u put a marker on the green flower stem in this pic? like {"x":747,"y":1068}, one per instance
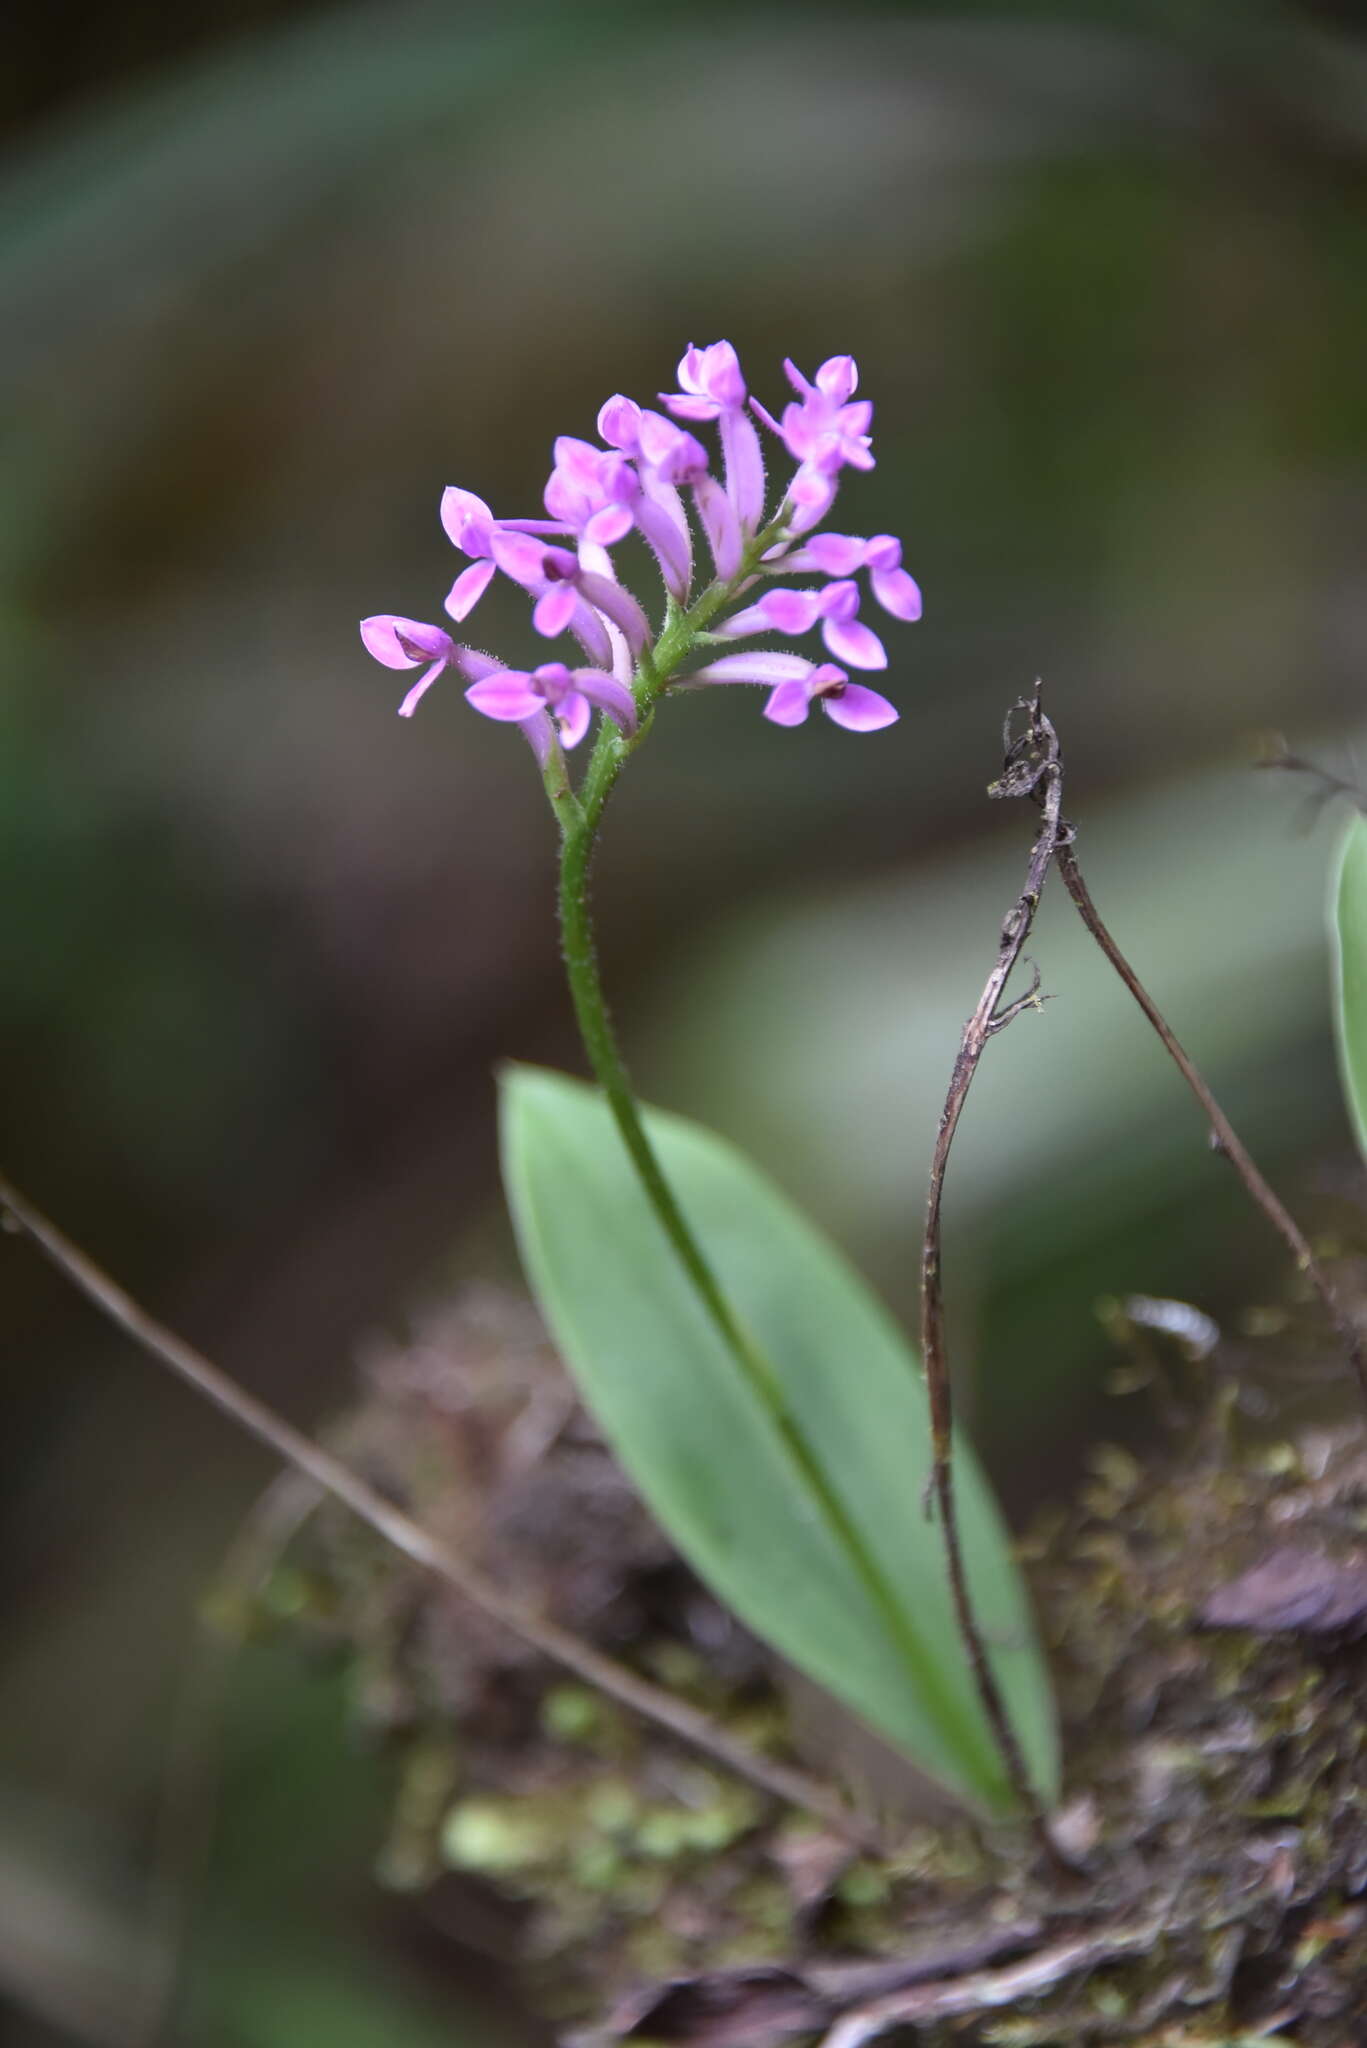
{"x":600,"y":1043}
{"x":579,"y":816}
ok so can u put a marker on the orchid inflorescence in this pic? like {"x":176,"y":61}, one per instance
{"x":596,"y":496}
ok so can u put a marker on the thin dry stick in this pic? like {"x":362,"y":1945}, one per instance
{"x":1223,"y":1135}
{"x":651,"y":1702}
{"x":1032,"y":767}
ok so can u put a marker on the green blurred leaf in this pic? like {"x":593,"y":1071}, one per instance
{"x":705,"y":1449}
{"x":1350,"y":921}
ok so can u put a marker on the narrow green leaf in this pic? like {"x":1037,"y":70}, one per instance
{"x":1350,"y":900}
{"x":864,"y":1610}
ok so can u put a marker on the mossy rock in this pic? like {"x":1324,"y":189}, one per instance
{"x":1217,"y":1774}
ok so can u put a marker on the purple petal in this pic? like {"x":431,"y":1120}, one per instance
{"x":832,"y":554}
{"x":551,"y":680}
{"x":566,"y":500}
{"x":897,"y":592}
{"x":790,"y":611}
{"x":709,"y":377}
{"x":685,"y":407}
{"x":509,"y":697}
{"x":469,"y":587}
{"x":616,"y":604}
{"x":668,"y":497}
{"x":578,"y":459}
{"x":789,"y":703}
{"x":722,"y":374}
{"x":717,"y":512}
{"x":801,"y":433}
{"x":520,"y":556}
{"x":811,"y":495}
{"x":594,"y":557}
{"x":609,"y":695}
{"x":679,"y":457}
{"x":839,"y":600}
{"x":420,"y":689}
{"x":610,"y":525}
{"x":849,"y":640}
{"x":554,"y":609}
{"x":592,"y":635}
{"x":690,"y":369}
{"x":796,"y":378}
{"x":667,"y":536}
{"x":754,"y":619}
{"x":467,"y":520}
{"x":403,"y":643}
{"x":572,"y":716}
{"x":765,"y":417}
{"x":714,"y":370}
{"x":744,"y":468}
{"x":619,"y":423}
{"x":838,"y":378}
{"x":860,"y":710}
{"x":758,"y":666}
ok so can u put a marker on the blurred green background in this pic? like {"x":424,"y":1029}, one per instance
{"x":271,"y":278}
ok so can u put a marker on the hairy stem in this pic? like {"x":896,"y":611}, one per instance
{"x":579,"y":818}
{"x":604,"y":1055}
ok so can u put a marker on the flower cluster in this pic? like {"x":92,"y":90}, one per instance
{"x":653,"y":476}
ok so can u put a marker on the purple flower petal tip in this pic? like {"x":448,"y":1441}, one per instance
{"x":508,"y":697}
{"x":468,"y":588}
{"x":467,"y":520}
{"x":788,"y":703}
{"x":420,"y":689}
{"x":710,"y":383}
{"x":404,"y":643}
{"x":859,"y":709}
{"x":851,"y":641}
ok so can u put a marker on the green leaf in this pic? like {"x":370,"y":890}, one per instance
{"x":856,"y":1598}
{"x":1350,"y":897}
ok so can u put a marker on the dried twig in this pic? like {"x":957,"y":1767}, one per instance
{"x":653,"y":1703}
{"x":1224,"y":1137}
{"x":1033,"y":767}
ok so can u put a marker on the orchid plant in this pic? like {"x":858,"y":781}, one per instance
{"x":761,"y":1398}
